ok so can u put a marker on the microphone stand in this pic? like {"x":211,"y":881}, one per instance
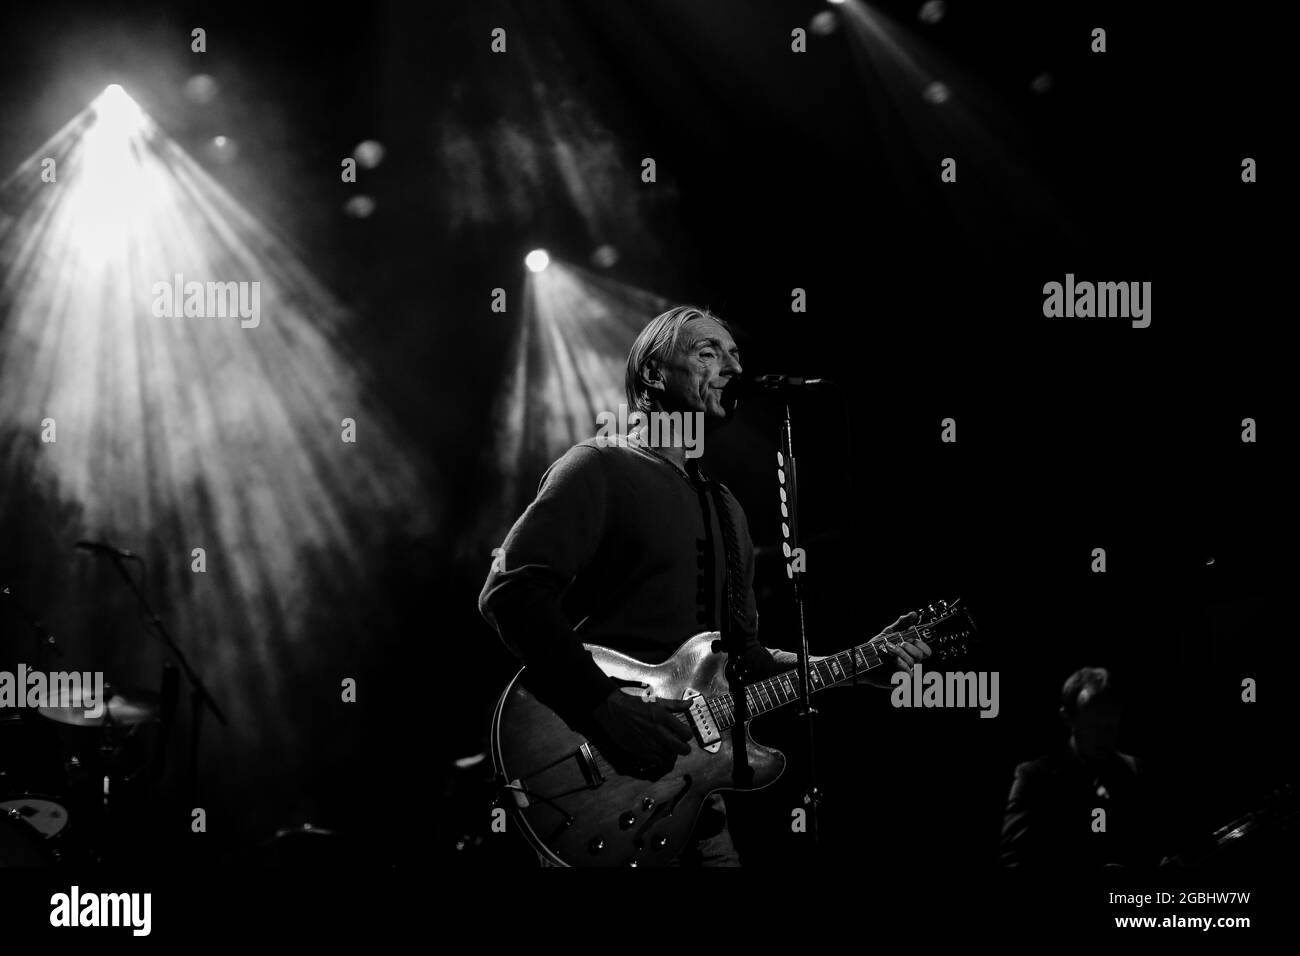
{"x":199,"y":695}
{"x":790,"y":518}
{"x":44,"y":639}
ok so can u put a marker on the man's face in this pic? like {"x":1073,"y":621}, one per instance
{"x":693,"y":377}
{"x":1096,"y":724}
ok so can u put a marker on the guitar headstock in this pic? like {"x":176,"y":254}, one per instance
{"x":948,"y":630}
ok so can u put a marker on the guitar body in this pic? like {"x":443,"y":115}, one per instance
{"x":571,"y":804}
{"x":577,"y":810}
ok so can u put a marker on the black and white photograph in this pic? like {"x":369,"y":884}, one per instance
{"x":834,"y":442}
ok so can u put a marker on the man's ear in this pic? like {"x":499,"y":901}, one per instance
{"x":652,"y":376}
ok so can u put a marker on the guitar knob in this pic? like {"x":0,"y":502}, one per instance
{"x":648,"y":803}
{"x":661,"y":842}
{"x":596,"y":845}
{"x":626,"y":820}
{"x":630,"y":863}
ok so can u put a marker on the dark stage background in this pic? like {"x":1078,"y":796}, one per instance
{"x":776,"y":171}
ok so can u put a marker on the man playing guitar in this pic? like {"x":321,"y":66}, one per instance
{"x":630,"y":545}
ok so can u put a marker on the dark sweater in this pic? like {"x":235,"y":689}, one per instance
{"x":614,"y":551}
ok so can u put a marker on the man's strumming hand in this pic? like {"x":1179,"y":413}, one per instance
{"x":647,"y":738}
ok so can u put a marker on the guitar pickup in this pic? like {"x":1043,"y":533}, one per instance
{"x":705,"y":726}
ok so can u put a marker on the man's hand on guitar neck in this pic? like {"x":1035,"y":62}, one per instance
{"x":906,"y":654}
{"x":646,"y":737}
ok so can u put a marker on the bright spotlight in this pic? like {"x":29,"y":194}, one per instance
{"x":537,"y":260}
{"x":835,"y":1}
{"x":117,"y":113}
{"x":123,"y":297}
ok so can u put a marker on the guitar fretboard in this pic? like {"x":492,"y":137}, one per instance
{"x":773,"y":692}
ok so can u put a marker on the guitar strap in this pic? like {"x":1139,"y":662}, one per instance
{"x":732,"y":639}
{"x":733,"y":568}
{"x":707,"y":587}
{"x":735,"y":594}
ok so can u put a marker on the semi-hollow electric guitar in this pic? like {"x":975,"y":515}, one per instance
{"x":575,"y":809}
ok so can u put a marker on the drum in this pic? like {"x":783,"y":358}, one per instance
{"x":42,"y":813}
{"x":34,"y":817}
{"x":21,"y":845}
{"x":37,"y":826}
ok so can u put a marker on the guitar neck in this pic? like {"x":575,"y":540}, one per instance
{"x":770,"y":693}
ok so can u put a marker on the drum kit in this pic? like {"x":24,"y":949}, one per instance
{"x":74,"y":777}
{"x":63,"y":775}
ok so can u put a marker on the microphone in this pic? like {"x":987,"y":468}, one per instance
{"x":754,"y":386}
{"x":99,"y":547}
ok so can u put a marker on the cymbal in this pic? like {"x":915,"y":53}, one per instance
{"x":124,"y":708}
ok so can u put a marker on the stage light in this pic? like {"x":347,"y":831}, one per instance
{"x":836,"y":2}
{"x":605,"y":256}
{"x":566,"y":366}
{"x":359,"y":207}
{"x":201,"y":88}
{"x":194,"y":426}
{"x":933,"y":101}
{"x":117,"y":115}
{"x":932,"y":11}
{"x":223,"y":149}
{"x":824,"y":23}
{"x":111,"y":189}
{"x":537,"y":260}
{"x":937,"y":93}
{"x":1041,"y":83}
{"x":368,"y":154}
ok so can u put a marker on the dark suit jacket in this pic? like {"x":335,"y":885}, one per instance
{"x":1050,"y":816}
